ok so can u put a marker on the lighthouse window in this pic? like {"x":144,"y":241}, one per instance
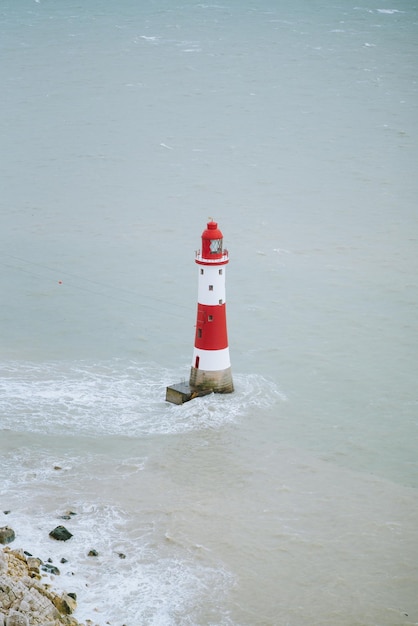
{"x":199,"y":332}
{"x":220,"y":301}
{"x":210,"y":287}
{"x":210,"y":318}
{"x":220,"y":271}
{"x":216,"y":246}
{"x":202,"y":271}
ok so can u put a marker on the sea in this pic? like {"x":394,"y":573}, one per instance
{"x":125,"y":126}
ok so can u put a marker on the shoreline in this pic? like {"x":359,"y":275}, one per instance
{"x":26,"y":600}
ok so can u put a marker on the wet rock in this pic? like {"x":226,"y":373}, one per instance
{"x":50,"y":569}
{"x":65,"y":604}
{"x":63,"y":560}
{"x":6,"y":512}
{"x":26,"y":601}
{"x":7,"y":535}
{"x":60,"y":533}
{"x":93,"y":553}
{"x":121,"y":555}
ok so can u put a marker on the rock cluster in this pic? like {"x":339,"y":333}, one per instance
{"x":25,"y":600}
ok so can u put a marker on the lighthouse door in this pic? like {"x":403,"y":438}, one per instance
{"x":196,"y":364}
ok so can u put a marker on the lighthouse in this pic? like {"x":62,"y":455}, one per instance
{"x":211,"y":365}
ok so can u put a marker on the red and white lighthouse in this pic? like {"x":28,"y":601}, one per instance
{"x":211,"y":365}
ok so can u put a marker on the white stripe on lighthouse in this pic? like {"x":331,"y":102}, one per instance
{"x":211,"y":360}
{"x":211,"y":286}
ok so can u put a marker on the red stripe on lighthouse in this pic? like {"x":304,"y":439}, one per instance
{"x":211,"y":332}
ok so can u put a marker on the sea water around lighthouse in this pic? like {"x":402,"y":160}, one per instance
{"x":125,"y":126}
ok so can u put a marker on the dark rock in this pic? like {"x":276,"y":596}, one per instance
{"x":27,"y":553}
{"x":60,"y":533}
{"x":57,"y":467}
{"x":63,"y":560}
{"x":121,"y":555}
{"x":50,"y":569}
{"x":66,"y":517}
{"x":93,"y":553}
{"x":72,"y":595}
{"x":6,"y":512}
{"x":7,"y":535}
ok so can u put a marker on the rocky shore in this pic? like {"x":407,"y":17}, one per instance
{"x":27,"y":601}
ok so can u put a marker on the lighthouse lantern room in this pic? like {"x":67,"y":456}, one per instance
{"x":211,"y":366}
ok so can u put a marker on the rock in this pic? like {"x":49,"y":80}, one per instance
{"x":3,"y":565}
{"x":63,"y":560}
{"x":24,"y":606}
{"x":121,"y":555}
{"x":51,"y":569}
{"x":18,"y":553}
{"x":93,"y":553}
{"x":65,"y":604}
{"x":6,"y":512}
{"x":26,"y":601}
{"x":33,"y":564}
{"x":16,"y":619}
{"x":7,"y":535}
{"x":60,"y":533}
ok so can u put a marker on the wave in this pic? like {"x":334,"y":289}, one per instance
{"x":116,"y":398}
{"x":136,"y":576}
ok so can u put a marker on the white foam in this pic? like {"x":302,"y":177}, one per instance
{"x":135,"y":578}
{"x":389,"y":11}
{"x":165,"y":577}
{"x":116,"y":398}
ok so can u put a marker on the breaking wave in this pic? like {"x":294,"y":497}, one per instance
{"x":116,"y":397}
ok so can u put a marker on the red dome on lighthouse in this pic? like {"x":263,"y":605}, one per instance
{"x":212,"y":241}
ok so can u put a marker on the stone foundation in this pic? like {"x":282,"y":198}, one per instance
{"x":201,"y":383}
{"x":216,"y":382}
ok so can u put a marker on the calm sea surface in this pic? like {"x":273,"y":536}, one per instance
{"x":124,"y":126}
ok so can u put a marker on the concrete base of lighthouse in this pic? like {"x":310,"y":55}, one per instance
{"x":202,"y":383}
{"x":216,"y":381}
{"x":182,"y":392}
